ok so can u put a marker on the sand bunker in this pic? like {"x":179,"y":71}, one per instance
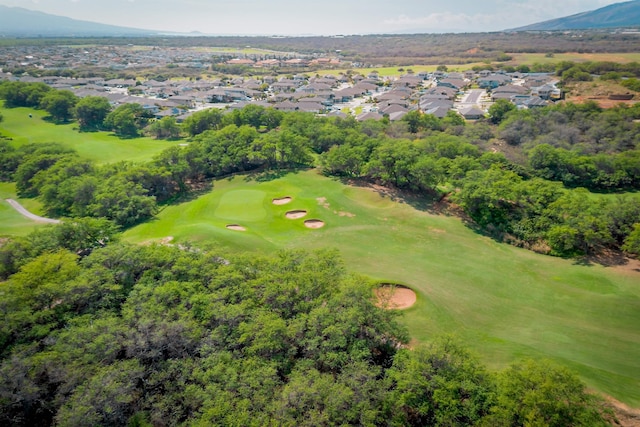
{"x":314,"y":223}
{"x":236,"y":227}
{"x":295,"y":214}
{"x":394,"y":297}
{"x":282,"y":200}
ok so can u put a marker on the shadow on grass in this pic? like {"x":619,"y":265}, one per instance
{"x":266,"y":175}
{"x":609,"y":258}
{"x":202,"y":188}
{"x":433,"y":202}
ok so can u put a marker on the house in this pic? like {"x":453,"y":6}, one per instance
{"x":436,"y":107}
{"x":188,"y":101}
{"x":535,"y":102}
{"x":240,"y":61}
{"x":394,"y":108}
{"x":440,"y":92}
{"x":507,"y":92}
{"x":286,"y":106}
{"x":369,"y":116}
{"x":456,"y":84}
{"x":493,"y":81}
{"x":310,"y":106}
{"x":546,"y":91}
{"x":472,"y":113}
{"x":366,"y":87}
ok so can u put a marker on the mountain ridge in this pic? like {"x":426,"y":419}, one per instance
{"x":617,"y":15}
{"x":21,"y":22}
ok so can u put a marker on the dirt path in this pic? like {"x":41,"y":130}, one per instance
{"x":17,"y":206}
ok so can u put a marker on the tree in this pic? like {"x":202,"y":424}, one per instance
{"x":439,"y":384}
{"x":198,"y":122}
{"x":59,"y":104}
{"x":543,"y":394}
{"x":499,"y":110}
{"x":165,"y":128}
{"x":20,"y":94}
{"x":123,"y":202}
{"x":91,"y":112}
{"x":126,"y":120}
{"x":632,"y":242}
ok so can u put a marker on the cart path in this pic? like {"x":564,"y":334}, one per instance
{"x":17,"y":206}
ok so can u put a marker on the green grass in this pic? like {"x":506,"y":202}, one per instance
{"x":505,"y":303}
{"x":103,"y":147}
{"x":11,"y":222}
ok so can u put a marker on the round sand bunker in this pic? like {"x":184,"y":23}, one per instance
{"x":394,"y":297}
{"x":314,"y":223}
{"x":236,"y":227}
{"x":295,"y":214}
{"x":282,"y":200}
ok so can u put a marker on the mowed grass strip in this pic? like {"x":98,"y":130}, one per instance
{"x":505,"y":303}
{"x":103,"y":147}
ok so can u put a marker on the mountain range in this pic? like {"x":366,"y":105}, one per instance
{"x":20,"y":22}
{"x":618,"y":15}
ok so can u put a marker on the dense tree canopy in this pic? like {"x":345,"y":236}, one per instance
{"x":114,"y":334}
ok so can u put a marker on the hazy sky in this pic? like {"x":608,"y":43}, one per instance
{"x":319,"y":17}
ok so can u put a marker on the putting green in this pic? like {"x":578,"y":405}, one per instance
{"x":242,"y":206}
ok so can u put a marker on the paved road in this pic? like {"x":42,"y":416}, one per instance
{"x":473,"y":96}
{"x":17,"y":206}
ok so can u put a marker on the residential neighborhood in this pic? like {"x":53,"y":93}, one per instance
{"x":350,"y":92}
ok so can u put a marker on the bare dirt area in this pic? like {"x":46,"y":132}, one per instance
{"x":599,"y":92}
{"x":297,"y":214}
{"x":282,"y":200}
{"x":395,"y":297}
{"x":314,"y":223}
{"x":625,"y":415}
{"x":236,"y":227}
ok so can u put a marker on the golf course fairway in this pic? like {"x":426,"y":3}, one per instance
{"x":503,"y":302}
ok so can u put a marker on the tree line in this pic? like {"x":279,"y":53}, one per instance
{"x":520,"y":193}
{"x":98,"y":332}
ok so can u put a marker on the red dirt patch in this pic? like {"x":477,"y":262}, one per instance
{"x":314,"y":223}
{"x":295,"y":214}
{"x":394,"y":297}
{"x":236,"y":227}
{"x":282,"y":200}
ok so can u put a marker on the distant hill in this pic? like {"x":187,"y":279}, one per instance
{"x":617,"y":15}
{"x":19,"y":22}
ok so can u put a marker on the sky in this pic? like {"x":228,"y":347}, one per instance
{"x":318,"y":17}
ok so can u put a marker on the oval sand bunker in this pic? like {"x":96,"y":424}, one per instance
{"x":314,"y":223}
{"x":394,"y":297}
{"x":236,"y":227}
{"x":281,"y":200}
{"x":295,"y":214}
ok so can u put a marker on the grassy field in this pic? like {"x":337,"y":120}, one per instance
{"x":102,"y":147}
{"x":518,"y":59}
{"x":11,"y":222}
{"x":505,"y":303}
